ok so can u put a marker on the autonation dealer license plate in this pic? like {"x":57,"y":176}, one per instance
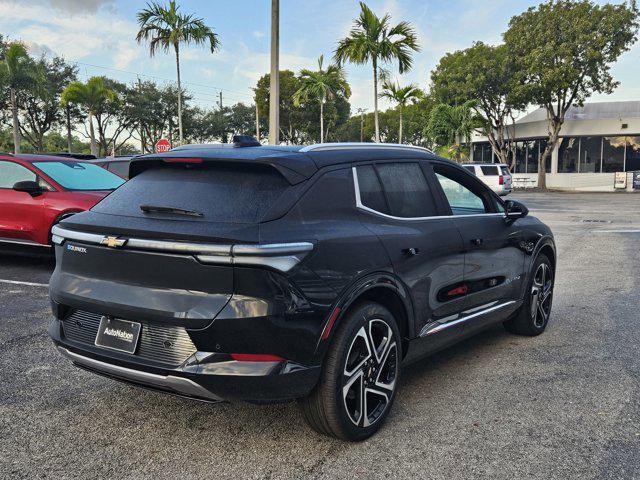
{"x":118,"y":334}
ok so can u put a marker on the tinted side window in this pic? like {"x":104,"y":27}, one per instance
{"x":471,"y":169}
{"x":461,"y":199}
{"x":119,"y":168}
{"x":371,"y":194}
{"x":407,"y":190}
{"x":11,"y":173}
{"x":489,"y":170}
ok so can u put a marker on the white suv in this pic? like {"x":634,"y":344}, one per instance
{"x":495,"y":175}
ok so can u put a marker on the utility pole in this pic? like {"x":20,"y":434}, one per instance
{"x":142,"y":146}
{"x":257,"y":122}
{"x":274,"y":84}
{"x":361,"y":112}
{"x":220,"y":102}
{"x":69,"y":141}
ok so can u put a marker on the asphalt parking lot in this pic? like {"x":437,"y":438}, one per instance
{"x":565,"y":404}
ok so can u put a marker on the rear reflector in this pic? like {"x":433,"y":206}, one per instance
{"x":182,"y":160}
{"x":461,"y":290}
{"x":330,"y":322}
{"x":256,"y":357}
{"x":501,"y":180}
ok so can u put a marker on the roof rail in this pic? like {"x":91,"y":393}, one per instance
{"x":353,"y":145}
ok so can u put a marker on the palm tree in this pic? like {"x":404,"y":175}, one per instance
{"x":401,"y":96}
{"x":321,"y":85}
{"x":373,"y":39}
{"x":450,"y":124}
{"x":16,"y":72}
{"x":165,"y":28}
{"x":93,"y":97}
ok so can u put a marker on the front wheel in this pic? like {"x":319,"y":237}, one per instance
{"x":533,"y":316}
{"x":360,"y":376}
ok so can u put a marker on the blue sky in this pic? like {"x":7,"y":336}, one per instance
{"x":100,"y":36}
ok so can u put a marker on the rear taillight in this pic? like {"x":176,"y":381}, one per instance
{"x":255,"y":357}
{"x":501,"y":180}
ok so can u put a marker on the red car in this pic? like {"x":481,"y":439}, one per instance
{"x":37,"y":191}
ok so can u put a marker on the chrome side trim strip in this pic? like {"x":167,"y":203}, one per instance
{"x":360,"y":206}
{"x":180,"y":385}
{"x":443,"y":326}
{"x":15,"y":241}
{"x":356,"y":145}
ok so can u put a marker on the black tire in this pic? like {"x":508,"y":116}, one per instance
{"x":326,"y":409}
{"x":533,"y":316}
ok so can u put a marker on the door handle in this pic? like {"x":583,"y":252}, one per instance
{"x":411,"y":251}
{"x":477,"y":242}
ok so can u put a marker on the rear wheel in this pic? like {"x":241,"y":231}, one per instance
{"x":360,"y":376}
{"x":533,"y":316}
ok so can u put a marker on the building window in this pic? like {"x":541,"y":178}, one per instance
{"x":521,"y":157}
{"x":633,"y":154}
{"x":613,"y":154}
{"x":590,"y":151}
{"x":568,"y":155}
{"x":482,"y":152}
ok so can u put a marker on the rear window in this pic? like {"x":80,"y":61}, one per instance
{"x":80,"y":175}
{"x":490,"y":170}
{"x":217,"y":193}
{"x":504,"y":169}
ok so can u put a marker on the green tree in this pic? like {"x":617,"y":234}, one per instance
{"x":373,"y":39}
{"x":40,"y":101}
{"x":166,"y":28}
{"x":93,"y":97}
{"x":449,"y":126}
{"x":16,"y":74}
{"x":291,"y":116}
{"x":401,"y":96}
{"x":320,"y":86}
{"x":564,"y":50}
{"x":486,"y":74}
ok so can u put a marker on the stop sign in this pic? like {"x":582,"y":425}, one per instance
{"x":162,"y":145}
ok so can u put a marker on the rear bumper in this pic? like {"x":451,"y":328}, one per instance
{"x":203,"y":376}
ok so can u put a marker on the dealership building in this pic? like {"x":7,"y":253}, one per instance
{"x":597,"y":142}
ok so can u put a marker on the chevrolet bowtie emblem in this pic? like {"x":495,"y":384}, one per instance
{"x":113,"y":242}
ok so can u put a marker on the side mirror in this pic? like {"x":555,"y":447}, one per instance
{"x":515,"y":210}
{"x":28,"y":186}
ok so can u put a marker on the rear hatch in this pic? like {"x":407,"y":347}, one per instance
{"x":137,"y":258}
{"x":504,"y":170}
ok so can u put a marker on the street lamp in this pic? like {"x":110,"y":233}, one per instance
{"x":361,"y":112}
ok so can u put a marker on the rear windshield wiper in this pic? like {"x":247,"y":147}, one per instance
{"x":177,"y":211}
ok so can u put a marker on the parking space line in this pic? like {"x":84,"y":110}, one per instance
{"x":616,"y":231}
{"x":18,"y":282}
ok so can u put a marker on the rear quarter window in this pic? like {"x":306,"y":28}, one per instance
{"x":470,"y":168}
{"x":221,"y":193}
{"x":490,"y":170}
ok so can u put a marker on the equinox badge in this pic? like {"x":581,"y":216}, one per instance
{"x":113,"y":242}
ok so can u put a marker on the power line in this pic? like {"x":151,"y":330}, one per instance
{"x":155,"y":77}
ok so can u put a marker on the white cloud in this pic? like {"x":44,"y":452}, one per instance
{"x":258,"y":34}
{"x":83,"y":34}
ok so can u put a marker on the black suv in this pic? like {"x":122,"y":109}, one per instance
{"x":265,"y":274}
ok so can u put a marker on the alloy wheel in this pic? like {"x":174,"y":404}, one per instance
{"x":541,"y":293}
{"x":370,"y":372}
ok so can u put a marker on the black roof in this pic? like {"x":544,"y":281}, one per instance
{"x":296,"y":163}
